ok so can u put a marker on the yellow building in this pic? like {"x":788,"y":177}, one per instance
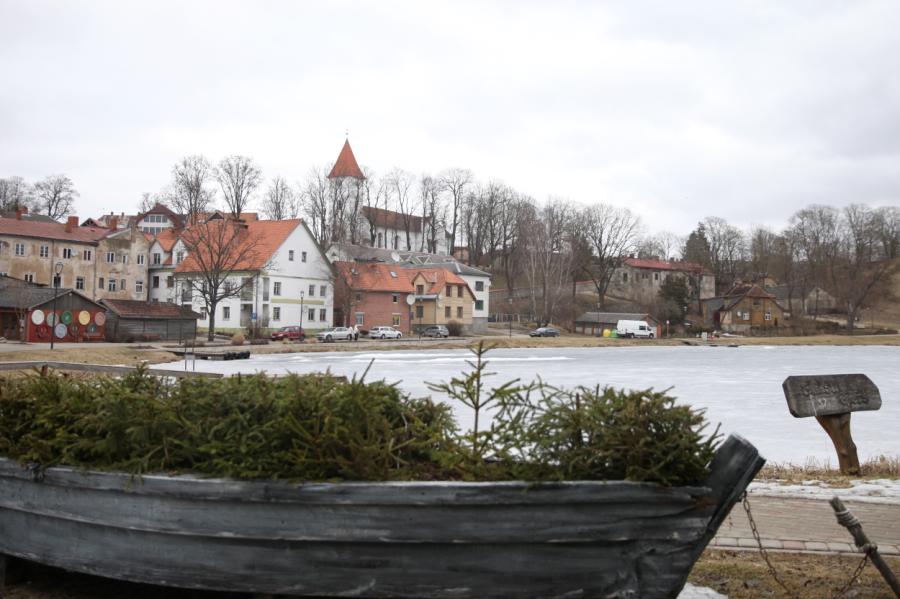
{"x":440,"y":297}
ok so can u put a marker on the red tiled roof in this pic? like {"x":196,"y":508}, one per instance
{"x":43,"y":230}
{"x":375,"y":276}
{"x":439,"y":278}
{"x":346,"y":165}
{"x":265,"y":235}
{"x":138,"y":309}
{"x":392,"y":220}
{"x":167,"y":239}
{"x":665,"y":265}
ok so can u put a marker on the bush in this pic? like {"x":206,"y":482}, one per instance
{"x":454,"y":328}
{"x":237,"y":339}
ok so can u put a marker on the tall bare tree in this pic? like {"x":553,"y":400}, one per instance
{"x":548,"y":257}
{"x":55,"y":195}
{"x":222,"y":255}
{"x":456,"y":181}
{"x":280,"y":201}
{"x":727,"y":249}
{"x":15,"y":193}
{"x":612,"y":233}
{"x":400,"y":183}
{"x":189,"y":194}
{"x":315,"y":200}
{"x":375,"y":193}
{"x":433,"y":213}
{"x":238,"y":177}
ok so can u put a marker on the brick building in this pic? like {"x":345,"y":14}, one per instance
{"x":371,"y":294}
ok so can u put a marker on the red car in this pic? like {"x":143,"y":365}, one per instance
{"x":293,"y":333}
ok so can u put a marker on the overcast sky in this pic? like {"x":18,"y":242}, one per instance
{"x":678,"y":110}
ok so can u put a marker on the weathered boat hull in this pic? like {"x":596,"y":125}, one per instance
{"x":415,"y":539}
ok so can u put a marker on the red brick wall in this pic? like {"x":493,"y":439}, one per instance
{"x":378,"y":308}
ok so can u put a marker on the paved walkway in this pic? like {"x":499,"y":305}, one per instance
{"x":808,"y":525}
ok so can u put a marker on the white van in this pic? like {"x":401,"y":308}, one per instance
{"x":635,"y":328}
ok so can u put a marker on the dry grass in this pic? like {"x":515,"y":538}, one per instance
{"x":880,"y":467}
{"x":743,"y":575}
{"x":85,"y":354}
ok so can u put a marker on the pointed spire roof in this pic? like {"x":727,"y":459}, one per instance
{"x":346,"y":165}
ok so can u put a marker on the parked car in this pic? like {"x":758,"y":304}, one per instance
{"x":544,"y":332}
{"x":437,"y":330}
{"x":292,"y":333}
{"x":383,"y":332}
{"x":635,"y":328}
{"x":335,"y":334}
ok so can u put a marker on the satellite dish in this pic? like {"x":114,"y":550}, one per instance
{"x":395,"y":256}
{"x":410,"y":299}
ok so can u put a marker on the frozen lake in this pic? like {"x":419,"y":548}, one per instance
{"x":739,"y":387}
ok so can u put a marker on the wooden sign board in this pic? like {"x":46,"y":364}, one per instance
{"x":828,"y":394}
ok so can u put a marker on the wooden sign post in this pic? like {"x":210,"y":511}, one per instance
{"x":831,"y":398}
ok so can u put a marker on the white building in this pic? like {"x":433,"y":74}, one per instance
{"x":288,"y":281}
{"x":480,"y":284}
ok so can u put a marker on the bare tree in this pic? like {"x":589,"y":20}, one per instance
{"x":548,"y":257}
{"x":280,"y":201}
{"x":238,"y":177}
{"x":727,"y":249}
{"x":456,"y":181}
{"x":612,"y":234}
{"x":375,"y":193}
{"x":887,"y":229}
{"x":54,"y":196}
{"x":433,"y":213}
{"x":189,"y":194}
{"x":219,"y":253}
{"x":316,"y":203}
{"x":763,"y":251}
{"x":400,"y":182}
{"x":149,"y":200}
{"x":15,"y":193}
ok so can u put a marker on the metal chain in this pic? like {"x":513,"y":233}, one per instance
{"x":774,"y":574}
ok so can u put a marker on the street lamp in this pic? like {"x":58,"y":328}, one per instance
{"x":509,"y":316}
{"x":57,"y":279}
{"x":302,"y":294}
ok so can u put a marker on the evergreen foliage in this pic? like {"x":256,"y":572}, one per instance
{"x":319,"y":427}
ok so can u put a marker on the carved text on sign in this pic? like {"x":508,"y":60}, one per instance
{"x":824,"y":395}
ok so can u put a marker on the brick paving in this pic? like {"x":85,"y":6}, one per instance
{"x":809,"y":525}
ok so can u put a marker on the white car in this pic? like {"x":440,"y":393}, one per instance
{"x":384,"y":333}
{"x":335,"y":334}
{"x":634,"y":328}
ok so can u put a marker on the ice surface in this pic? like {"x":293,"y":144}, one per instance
{"x":739,"y":387}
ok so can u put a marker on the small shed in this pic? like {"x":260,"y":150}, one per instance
{"x":132,"y":320}
{"x":595,"y":323}
{"x":30,"y":313}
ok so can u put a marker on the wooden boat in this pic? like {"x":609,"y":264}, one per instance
{"x":392,"y":539}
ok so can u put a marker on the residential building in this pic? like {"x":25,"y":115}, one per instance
{"x":284,"y":280}
{"x":479,"y":283}
{"x":441,"y":297}
{"x":165,"y":253}
{"x":371,"y":294}
{"x":812,"y":302}
{"x":742,"y":309}
{"x":95,"y":260}
{"x":641,"y":279}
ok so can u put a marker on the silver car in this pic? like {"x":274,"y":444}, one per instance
{"x":384,"y":333}
{"x":335,"y":334}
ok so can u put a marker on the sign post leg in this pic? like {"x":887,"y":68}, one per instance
{"x":838,"y":428}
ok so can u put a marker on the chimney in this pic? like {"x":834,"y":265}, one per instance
{"x":20,"y":211}
{"x":71,"y":223}
{"x":114,"y":223}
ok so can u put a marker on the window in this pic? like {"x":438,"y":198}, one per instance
{"x":139,"y":287}
{"x":359,"y":297}
{"x":29,"y":277}
{"x":79,"y":283}
{"x":396,"y":242}
{"x":323,"y":291}
{"x":110,"y":257}
{"x":302,"y":256}
{"x":45,"y":251}
{"x":380,"y":241}
{"x":420,"y":289}
{"x":226,"y":313}
{"x":768,"y":316}
{"x":656,"y":276}
{"x":446,"y":311}
{"x":322,"y":314}
{"x":20,"y":249}
{"x":203,"y":313}
{"x":67,"y":253}
{"x":479,"y":304}
{"x":57,"y":280}
{"x":395,"y":298}
{"x":312,"y":291}
{"x":420,"y":311}
{"x":170,"y":281}
{"x":124,"y":258}
{"x":276,"y":288}
{"x":448,"y":291}
{"x":395,"y":320}
{"x":459,"y":311}
{"x":624,"y":277}
{"x":154,"y":284}
{"x":122,"y":285}
{"x":100,"y":283}
{"x":276,"y":313}
{"x":459,"y":291}
{"x":179,"y":257}
{"x":140,"y":259}
{"x":479,"y":285}
{"x":360,"y":318}
{"x":311,"y":314}
{"x":290,"y":255}
{"x":87,"y":255}
{"x":112,"y":285}
{"x":157,"y":258}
